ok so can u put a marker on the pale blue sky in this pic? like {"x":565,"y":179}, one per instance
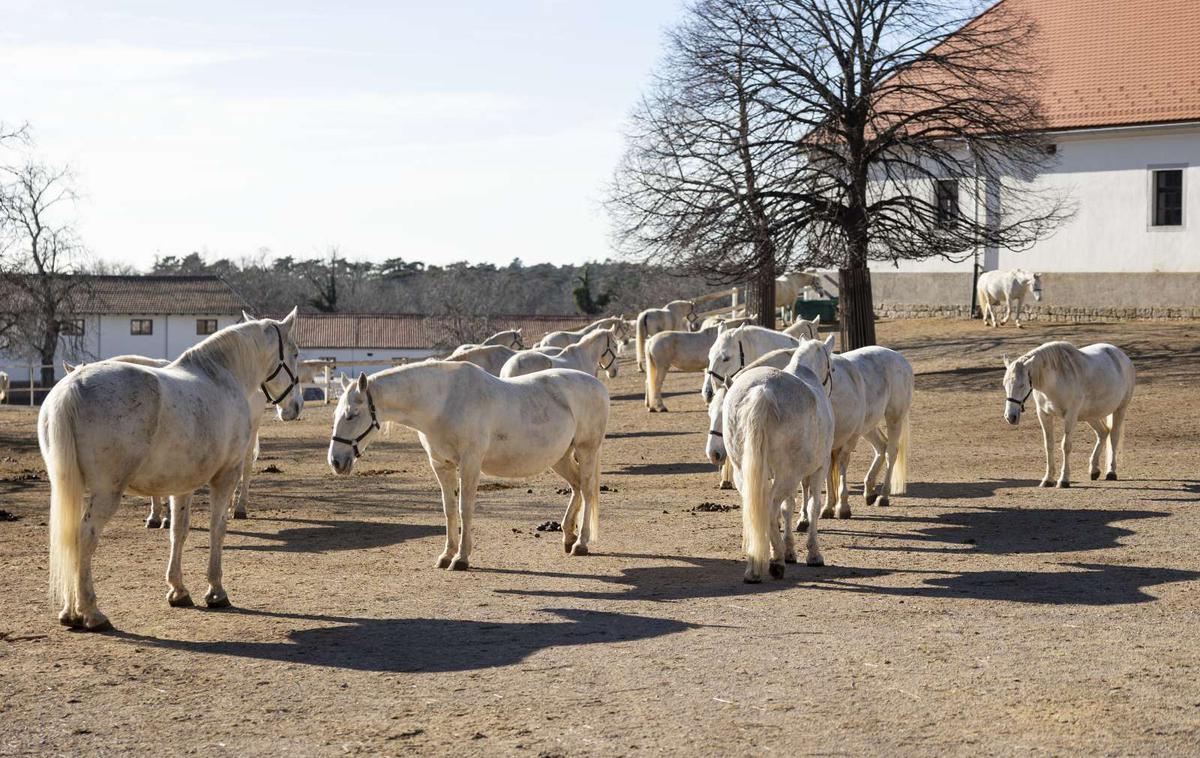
{"x":435,"y":131}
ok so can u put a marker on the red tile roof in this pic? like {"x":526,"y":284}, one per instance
{"x":1116,"y":62}
{"x":159,"y":294}
{"x":414,"y":331}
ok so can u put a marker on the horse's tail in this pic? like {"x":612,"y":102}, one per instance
{"x":899,"y":481}
{"x":758,"y":512}
{"x":640,"y":337}
{"x":982,"y":299}
{"x":651,"y":379}
{"x":835,"y":479}
{"x":56,"y":437}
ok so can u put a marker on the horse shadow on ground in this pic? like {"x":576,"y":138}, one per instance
{"x":647,"y":433}
{"x":972,"y":378}
{"x":425,"y":644}
{"x":328,"y":536}
{"x":997,"y":531}
{"x":976,"y":488}
{"x":642,"y":395}
{"x":658,"y":469}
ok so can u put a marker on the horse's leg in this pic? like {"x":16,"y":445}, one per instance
{"x":1017,"y":315}
{"x":1007,"y":309}
{"x":781,"y":517}
{"x":892,"y":442}
{"x":1114,"y":440}
{"x":155,"y":519}
{"x":100,"y":509}
{"x":220,"y":493}
{"x":568,"y":469}
{"x":831,"y":486}
{"x":447,"y":476}
{"x":812,"y":485}
{"x":1047,"y":422}
{"x":789,"y":537}
{"x":468,"y":481}
{"x":1101,"y":437}
{"x":1064,"y":477}
{"x":843,"y":463}
{"x":243,"y":488}
{"x":181,"y":517}
{"x":589,"y":483}
{"x":879,"y":445}
{"x":726,"y":475}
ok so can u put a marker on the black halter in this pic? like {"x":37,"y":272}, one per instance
{"x":374,"y":425}
{"x":608,"y":351}
{"x":828,"y":380}
{"x":516,"y":343}
{"x":1021,"y":402}
{"x":692,"y":318}
{"x":280,"y":367}
{"x":741,"y":365}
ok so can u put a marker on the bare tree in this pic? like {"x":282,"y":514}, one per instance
{"x":873,"y":121}
{"x":41,"y":262}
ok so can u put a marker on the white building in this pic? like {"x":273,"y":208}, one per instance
{"x":1121,"y":92}
{"x":154,"y":316}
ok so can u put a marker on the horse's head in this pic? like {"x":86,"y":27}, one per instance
{"x":1018,"y":386}
{"x":282,"y":385}
{"x":353,"y":422}
{"x":726,"y":357}
{"x":817,"y":357}
{"x":612,"y":347}
{"x":714,"y":447}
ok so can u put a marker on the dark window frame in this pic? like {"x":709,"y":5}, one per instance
{"x":202,"y":326}
{"x":1167,"y":200}
{"x":141,"y":327}
{"x":72,"y":327}
{"x":945,"y":192}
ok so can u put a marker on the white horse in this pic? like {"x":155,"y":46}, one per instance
{"x":777,"y":359}
{"x":722,"y":321}
{"x":490,"y":358}
{"x":790,"y":286}
{"x":1093,"y":385}
{"x":804,"y":330}
{"x":1009,"y":286}
{"x":868,"y":388}
{"x":470,"y":422}
{"x":510,"y":338}
{"x":682,"y":351}
{"x":676,"y":316}
{"x":595,"y":353}
{"x":112,"y":427}
{"x":735,"y":349}
{"x":777,"y":429}
{"x":563,"y":338}
{"x":4,"y":385}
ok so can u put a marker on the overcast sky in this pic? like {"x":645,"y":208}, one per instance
{"x":477,"y":130}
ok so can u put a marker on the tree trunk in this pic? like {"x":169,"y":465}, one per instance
{"x":856,"y":308}
{"x":760,"y":297}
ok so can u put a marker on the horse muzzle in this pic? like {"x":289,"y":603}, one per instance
{"x":1012,"y":417}
{"x":341,"y":462}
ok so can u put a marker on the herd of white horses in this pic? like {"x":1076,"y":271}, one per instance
{"x":785,"y":414}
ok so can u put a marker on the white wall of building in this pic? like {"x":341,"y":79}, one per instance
{"x":363,"y":354}
{"x":1106,"y":173}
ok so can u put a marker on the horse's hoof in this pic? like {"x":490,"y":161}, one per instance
{"x":871,"y":497}
{"x":845,"y":512}
{"x":1046,"y":483}
{"x":1064,"y":484}
{"x":790,"y":558}
{"x":217,"y":601}
{"x":776,"y":570}
{"x":102,"y":625}
{"x":726,"y":485}
{"x":443,"y":562}
{"x":815,"y":560}
{"x":460,"y":564}
{"x":1095,"y":475}
{"x":69,"y":619}
{"x":153,"y":523}
{"x":179,"y":601}
{"x":239,"y":514}
{"x":579,"y":549}
{"x":1111,"y":476}
{"x":801,"y":526}
{"x":750,"y":579}
{"x":166,"y":523}
{"x":884,"y":502}
{"x":827,"y":513}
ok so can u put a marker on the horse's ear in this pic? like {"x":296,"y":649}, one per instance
{"x":1007,"y":363}
{"x":816,"y":321}
{"x":246,"y":317}
{"x":829,"y":342}
{"x":344,"y":381}
{"x":67,"y":367}
{"x":362,"y":382}
{"x":290,"y":320}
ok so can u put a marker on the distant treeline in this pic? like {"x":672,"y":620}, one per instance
{"x":334,"y":284}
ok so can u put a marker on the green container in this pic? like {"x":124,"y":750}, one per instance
{"x":810,"y":309}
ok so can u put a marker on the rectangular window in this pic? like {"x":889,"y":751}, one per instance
{"x":206,"y":326}
{"x":141,"y":326}
{"x":72,"y":327}
{"x":946,"y":200}
{"x":1167,"y":188}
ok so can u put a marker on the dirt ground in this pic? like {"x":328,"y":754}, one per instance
{"x":976,"y":615}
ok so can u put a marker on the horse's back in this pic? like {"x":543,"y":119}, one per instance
{"x":1112,"y":359}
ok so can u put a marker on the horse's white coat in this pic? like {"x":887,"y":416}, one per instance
{"x":1009,"y":286}
{"x":595,"y":353}
{"x":4,"y":385}
{"x":1093,"y":384}
{"x":113,"y":427}
{"x":735,"y":349}
{"x":803,"y":330}
{"x":490,"y":358}
{"x":617,"y":324}
{"x":778,"y":359}
{"x":471,"y":422}
{"x":676,"y":316}
{"x":683,"y":351}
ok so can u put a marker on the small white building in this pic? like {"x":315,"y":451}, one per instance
{"x":154,"y":316}
{"x":1121,"y":92}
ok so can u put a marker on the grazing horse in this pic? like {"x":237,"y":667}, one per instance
{"x":595,"y":353}
{"x":1009,"y":286}
{"x":470,"y":422}
{"x":682,"y":351}
{"x":1093,"y":384}
{"x":490,"y":358}
{"x":617,"y":324}
{"x":868,"y":388}
{"x":676,"y":316}
{"x":777,"y":429}
{"x":735,"y":349}
{"x":112,"y":427}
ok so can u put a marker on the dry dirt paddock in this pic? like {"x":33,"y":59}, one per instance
{"x":977,"y":615}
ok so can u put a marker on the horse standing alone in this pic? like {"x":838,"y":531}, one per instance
{"x":1009,"y":286}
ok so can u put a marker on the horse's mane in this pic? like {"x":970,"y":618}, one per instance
{"x":1061,"y":357}
{"x":231,"y":349}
